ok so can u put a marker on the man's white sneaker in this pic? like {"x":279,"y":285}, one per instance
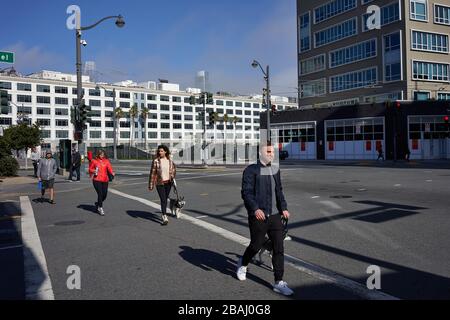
{"x":241,"y":271}
{"x":281,"y":287}
{"x":100,"y":210}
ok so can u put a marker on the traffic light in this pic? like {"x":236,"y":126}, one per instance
{"x":209,"y":98}
{"x":201,"y":100}
{"x":192,"y":100}
{"x":74,"y":115}
{"x":4,"y":102}
{"x":85,"y":114}
{"x":211,"y":118}
{"x":274,"y":108}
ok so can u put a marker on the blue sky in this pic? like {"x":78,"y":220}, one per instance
{"x":170,"y":39}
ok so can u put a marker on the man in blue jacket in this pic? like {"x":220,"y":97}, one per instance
{"x":265,"y":203}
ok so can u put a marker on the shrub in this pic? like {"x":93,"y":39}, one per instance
{"x":8,"y":166}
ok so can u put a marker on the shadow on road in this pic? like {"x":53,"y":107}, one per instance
{"x":144,"y":215}
{"x":212,"y":261}
{"x":88,"y":207}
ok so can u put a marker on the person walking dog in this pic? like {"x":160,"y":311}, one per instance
{"x":47,"y":169}
{"x":162,"y":174}
{"x":101,"y":171}
{"x":265,"y":203}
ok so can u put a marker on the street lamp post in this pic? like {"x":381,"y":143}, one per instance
{"x":114,"y":121}
{"x":119,"y":23}
{"x":255,"y":64}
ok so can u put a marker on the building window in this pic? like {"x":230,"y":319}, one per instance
{"x":95,"y":134}
{"x":109,"y":134}
{"x":61,"y":112}
{"x":389,"y":14}
{"x":151,"y":97}
{"x":153,"y":135}
{"x":43,"y":122}
{"x":176,"y":117}
{"x":164,"y":107}
{"x":45,"y":134}
{"x":151,"y":106}
{"x":109,"y":104}
{"x":62,"y":101}
{"x":23,"y":98}
{"x":165,"y":125}
{"x":165,"y":116}
{"x":187,"y":109}
{"x":421,"y":95}
{"x":337,"y":32}
{"x":313,"y":64}
{"x":23,"y":87}
{"x":229,"y":103}
{"x":124,"y":124}
{"x":124,"y":104}
{"x":43,"y":88}
{"x":61,"y":90}
{"x":61,"y":123}
{"x":43,"y":100}
{"x":443,"y":95}
{"x":176,"y":99}
{"x":109,"y":124}
{"x":95,"y":124}
{"x":43,"y":111}
{"x":219,"y":102}
{"x":256,"y":105}
{"x":24,"y":110}
{"x":418,"y":10}
{"x":152,"y":125}
{"x":177,"y":125}
{"x":176,"y":108}
{"x":7,"y":122}
{"x":188,"y":126}
{"x":304,"y":32}
{"x":95,"y":103}
{"x":238,"y":112}
{"x":430,"y":71}
{"x":441,"y":14}
{"x":164,"y":98}
{"x":332,"y":9}
{"x":94,"y":92}
{"x":124,"y":135}
{"x":313,"y":88}
{"x":353,"y":80}
{"x":426,"y":41}
{"x":165,"y":135}
{"x":124,"y":95}
{"x":360,"y":51}
{"x":5,"y":85}
{"x":392,"y":56}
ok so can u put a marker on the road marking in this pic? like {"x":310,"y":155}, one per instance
{"x":397,"y":185}
{"x":201,"y":217}
{"x":429,"y":180}
{"x":12,"y":247}
{"x":203,"y":194}
{"x":315,"y":197}
{"x":38,"y":285}
{"x":361,"y":189}
{"x":331,"y":204}
{"x":299,"y":264}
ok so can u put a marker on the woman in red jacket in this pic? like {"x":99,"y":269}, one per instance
{"x":98,"y":170}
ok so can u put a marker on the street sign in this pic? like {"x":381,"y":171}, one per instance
{"x":7,"y":57}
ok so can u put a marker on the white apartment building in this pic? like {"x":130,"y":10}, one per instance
{"x":46,"y":97}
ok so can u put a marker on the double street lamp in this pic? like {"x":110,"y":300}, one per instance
{"x":119,"y":23}
{"x":256,"y":64}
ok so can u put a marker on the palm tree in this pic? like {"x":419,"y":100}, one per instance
{"x":225,"y":120}
{"x":144,"y":116}
{"x":118,"y":114}
{"x":133,"y":114}
{"x":234,"y":120}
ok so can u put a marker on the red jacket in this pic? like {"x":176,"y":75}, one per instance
{"x":103,"y":167}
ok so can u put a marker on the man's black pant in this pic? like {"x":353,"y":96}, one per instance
{"x":102,"y":192}
{"x":273,"y":227}
{"x":35,"y":167}
{"x":77,"y":169}
{"x":163,"y":192}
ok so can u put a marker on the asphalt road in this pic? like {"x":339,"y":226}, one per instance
{"x":344,"y":218}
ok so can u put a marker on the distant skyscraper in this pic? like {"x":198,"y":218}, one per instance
{"x":90,"y":70}
{"x":202,"y":81}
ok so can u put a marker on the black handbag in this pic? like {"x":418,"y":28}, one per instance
{"x":110,"y":176}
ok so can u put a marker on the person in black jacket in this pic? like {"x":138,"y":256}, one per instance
{"x":265,"y":203}
{"x":75,"y":165}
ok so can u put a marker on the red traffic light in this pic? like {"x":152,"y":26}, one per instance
{"x":397,"y":104}
{"x":446,"y":118}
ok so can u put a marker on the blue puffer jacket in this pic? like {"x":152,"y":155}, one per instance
{"x":256,"y":191}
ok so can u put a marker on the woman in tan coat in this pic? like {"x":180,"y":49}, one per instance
{"x":162,"y":174}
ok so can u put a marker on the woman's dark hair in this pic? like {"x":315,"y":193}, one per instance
{"x":165,"y":148}
{"x":99,"y":152}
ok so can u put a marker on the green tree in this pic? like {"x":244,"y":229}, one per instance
{"x":133,"y":114}
{"x":144,"y":115}
{"x":23,"y":137}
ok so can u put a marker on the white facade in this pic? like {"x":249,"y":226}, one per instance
{"x":171,"y":118}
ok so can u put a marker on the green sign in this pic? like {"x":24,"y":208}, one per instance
{"x":7,"y":57}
